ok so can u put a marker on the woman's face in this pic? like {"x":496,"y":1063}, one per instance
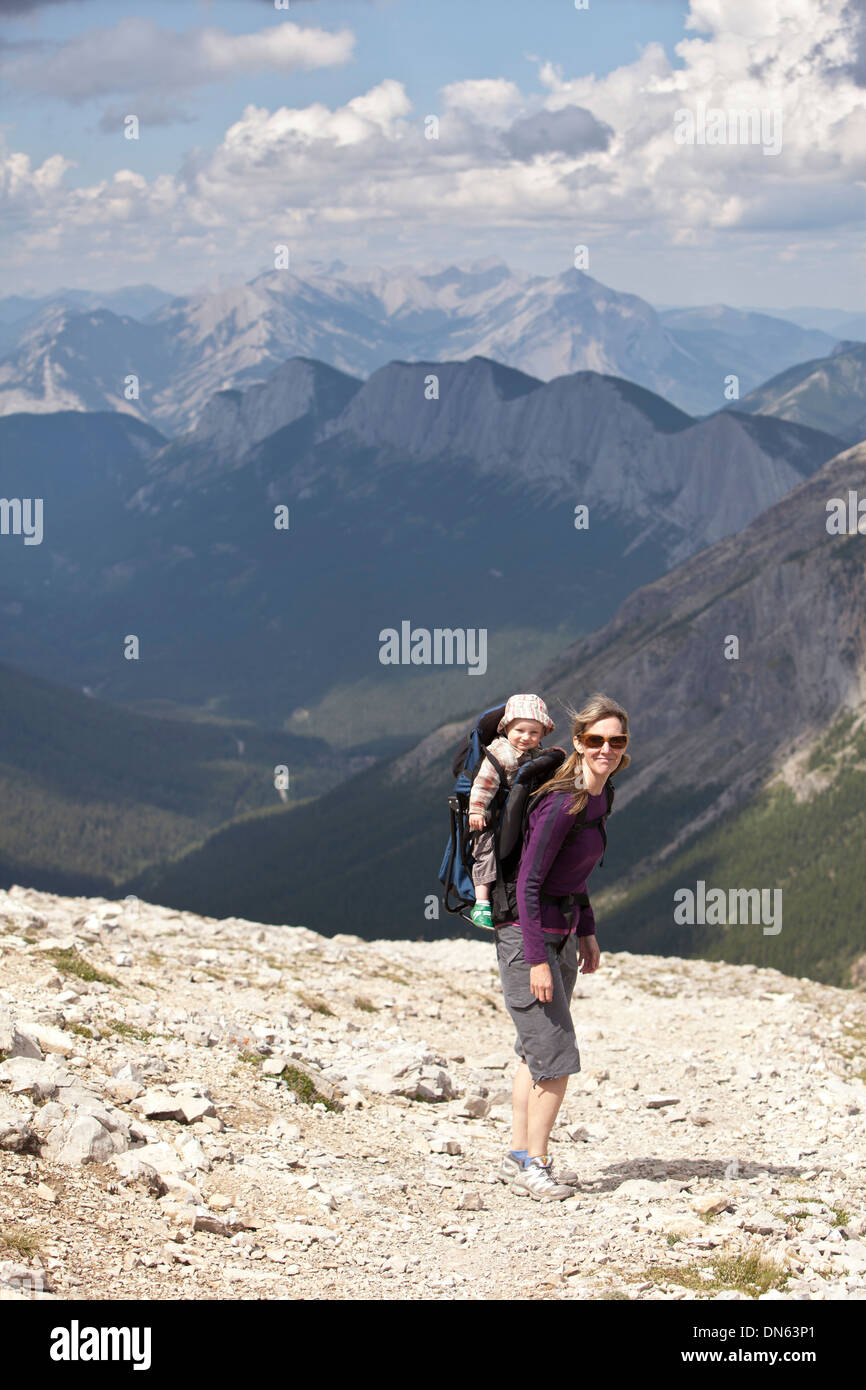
{"x":602,"y":761}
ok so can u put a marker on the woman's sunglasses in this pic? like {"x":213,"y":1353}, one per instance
{"x":595,"y":741}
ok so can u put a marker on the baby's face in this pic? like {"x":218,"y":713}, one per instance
{"x":524,"y":734}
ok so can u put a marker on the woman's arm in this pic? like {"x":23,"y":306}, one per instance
{"x":549,"y":824}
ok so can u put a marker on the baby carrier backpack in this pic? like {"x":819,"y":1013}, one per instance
{"x":508,"y":815}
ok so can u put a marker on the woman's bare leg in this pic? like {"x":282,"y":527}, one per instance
{"x":544,"y":1102}
{"x":519,"y":1107}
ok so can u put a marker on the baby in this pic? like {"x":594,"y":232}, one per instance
{"x":523,"y":725}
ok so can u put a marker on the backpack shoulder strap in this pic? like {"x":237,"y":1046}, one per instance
{"x":495,"y":764}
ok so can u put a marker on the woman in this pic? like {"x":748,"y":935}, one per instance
{"x":537,"y":955}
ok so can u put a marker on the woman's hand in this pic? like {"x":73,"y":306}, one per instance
{"x":588,"y":955}
{"x":541,"y":982}
{"x":476,"y":822}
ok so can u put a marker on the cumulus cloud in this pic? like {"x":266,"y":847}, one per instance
{"x":571,"y":131}
{"x":136,"y":56}
{"x":525,"y":161}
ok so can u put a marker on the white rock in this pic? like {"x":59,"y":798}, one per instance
{"x":711,"y":1203}
{"x":51,"y":1039}
{"x":193,"y":1155}
{"x":640,"y":1190}
{"x":159,"y":1105}
{"x":15,"y":1041}
{"x":46,"y":1117}
{"x":15,"y":1131}
{"x":445,"y":1146}
{"x":79,"y":1139}
{"x":193,"y":1108}
{"x":475,"y":1106}
{"x":587,"y":1134}
{"x":40,"y":1078}
{"x":160,"y":1156}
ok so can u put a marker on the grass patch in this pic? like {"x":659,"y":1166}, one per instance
{"x":304,"y":1089}
{"x":25,"y":1243}
{"x":365,"y":1005}
{"x":674,"y":1239}
{"x":253,"y":1058}
{"x":80,"y":1030}
{"x":315,"y":1004}
{"x":127,"y":1030}
{"x":71,"y":962}
{"x":750,"y":1274}
{"x":154,"y":958}
{"x":394,"y":976}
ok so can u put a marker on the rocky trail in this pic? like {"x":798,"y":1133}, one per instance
{"x":194,"y":1108}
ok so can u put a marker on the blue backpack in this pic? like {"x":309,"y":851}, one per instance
{"x":508,"y":816}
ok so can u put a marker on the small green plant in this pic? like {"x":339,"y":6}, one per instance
{"x":315,"y":1004}
{"x":25,"y":1243}
{"x":80,"y":1030}
{"x":127,"y":1030}
{"x":253,"y":1058}
{"x":304,"y":1089}
{"x":365,"y":1005}
{"x":751,"y":1274}
{"x":674,"y":1239}
{"x":841,"y":1217}
{"x":395,"y":976}
{"x":153,"y":958}
{"x":71,"y":962}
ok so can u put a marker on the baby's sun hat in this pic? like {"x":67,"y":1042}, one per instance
{"x":526,"y":707}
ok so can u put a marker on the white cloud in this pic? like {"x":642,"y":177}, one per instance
{"x":578,"y":158}
{"x":494,"y":101}
{"x":135,"y":55}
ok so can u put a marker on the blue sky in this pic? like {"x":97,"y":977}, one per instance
{"x":306,"y":127}
{"x":425,"y":44}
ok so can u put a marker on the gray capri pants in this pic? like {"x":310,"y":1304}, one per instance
{"x":484,"y":856}
{"x":545,"y":1032}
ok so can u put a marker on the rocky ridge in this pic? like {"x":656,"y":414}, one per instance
{"x":193,"y":1107}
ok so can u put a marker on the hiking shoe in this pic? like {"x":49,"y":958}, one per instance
{"x":482,"y":916}
{"x":509,"y":1169}
{"x":537,"y":1180}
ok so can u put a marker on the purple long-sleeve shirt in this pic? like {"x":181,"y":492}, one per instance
{"x":549,"y":865}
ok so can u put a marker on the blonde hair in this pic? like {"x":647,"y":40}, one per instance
{"x":570,"y":777}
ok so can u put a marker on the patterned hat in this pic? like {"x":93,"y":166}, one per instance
{"x":526,"y":707}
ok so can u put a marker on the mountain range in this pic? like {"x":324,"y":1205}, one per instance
{"x":73,"y":354}
{"x":828,"y":393}
{"x":398,"y":507}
